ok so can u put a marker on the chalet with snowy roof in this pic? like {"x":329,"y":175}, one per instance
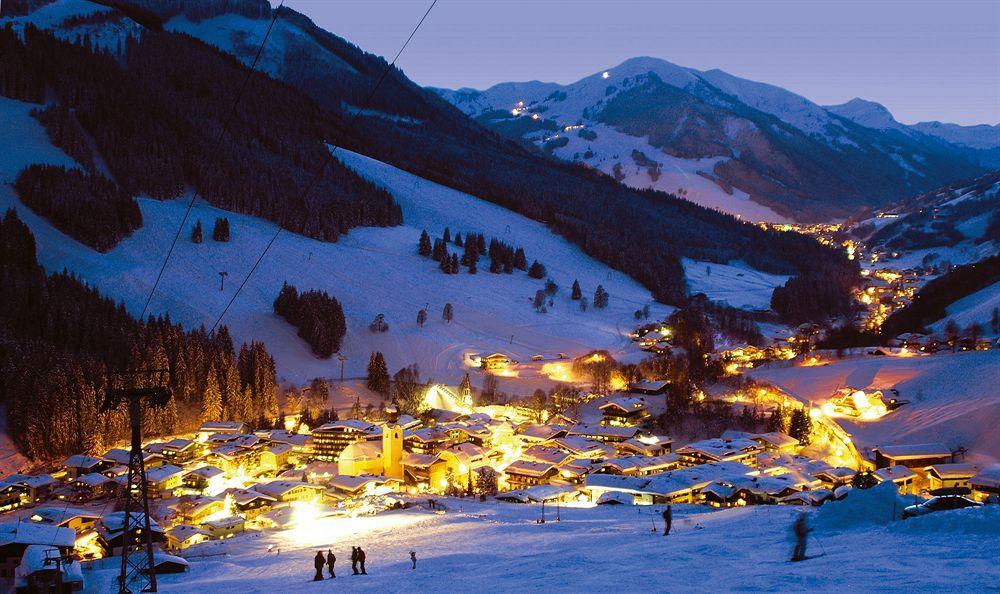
{"x":901,"y":476}
{"x":836,"y":476}
{"x":93,"y":486}
{"x":12,"y":496}
{"x":546,"y":453}
{"x":79,"y":464}
{"x":626,"y":411}
{"x":917,"y":455}
{"x":231,"y":458}
{"x":429,"y":440}
{"x":182,"y":536}
{"x":531,"y":433}
{"x":177,"y":451}
{"x":212,"y":427}
{"x":120,"y":457}
{"x":986,"y":483}
{"x":765,"y":489}
{"x":584,"y":447}
{"x":162,"y":480}
{"x":739,"y":450}
{"x":16,"y":537}
{"x":605,"y":433}
{"x":425,"y":470}
{"x":677,"y":486}
{"x":76,"y":518}
{"x":638,"y":465}
{"x":495,"y":362}
{"x":195,"y":510}
{"x":539,"y":494}
{"x":647,"y":445}
{"x":475,"y":433}
{"x":345,"y":487}
{"x":331,"y":439}
{"x":249,"y":503}
{"x":649,"y":388}
{"x":219,"y":528}
{"x":205,"y":479}
{"x":775,"y":441}
{"x":286,"y":491}
{"x":948,"y":476}
{"x":275,"y":457}
{"x":523,"y":473}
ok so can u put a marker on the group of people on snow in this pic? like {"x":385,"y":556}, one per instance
{"x":329,"y":560}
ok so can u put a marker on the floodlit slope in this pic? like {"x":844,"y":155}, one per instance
{"x":611,"y":548}
{"x":371,"y":271}
{"x":953,"y":397}
{"x":735,"y":283}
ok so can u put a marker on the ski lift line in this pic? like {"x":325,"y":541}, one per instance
{"x":222,"y":133}
{"x":326,"y":162}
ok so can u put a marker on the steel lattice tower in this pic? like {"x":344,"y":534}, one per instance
{"x":137,"y":537}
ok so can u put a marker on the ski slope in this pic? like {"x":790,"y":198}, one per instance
{"x":476,"y":547}
{"x":953,"y":397}
{"x":371,"y":271}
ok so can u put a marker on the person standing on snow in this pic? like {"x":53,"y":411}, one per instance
{"x":354,"y":560}
{"x":331,"y":560}
{"x":318,"y":563}
{"x":667,"y":519}
{"x":801,"y":530}
{"x":361,"y":560}
{"x":413,"y":557}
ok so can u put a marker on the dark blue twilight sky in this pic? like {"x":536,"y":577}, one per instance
{"x":924,"y":60}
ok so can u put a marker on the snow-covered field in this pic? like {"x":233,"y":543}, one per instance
{"x":953,"y":397}
{"x":735,"y":283}
{"x":494,"y":547}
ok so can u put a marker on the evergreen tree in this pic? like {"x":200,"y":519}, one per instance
{"x":421,"y":317}
{"x":776,"y":422}
{"x":196,"y":233}
{"x":600,"y":297}
{"x":378,"y":374}
{"x":520,"y":262}
{"x":800,"y":426}
{"x":458,"y":240}
{"x":551,"y":287}
{"x":211,"y":406}
{"x":539,"y":302}
{"x":536,"y":270}
{"x":453,"y":269}
{"x":472,"y":266}
{"x":447,"y":235}
{"x":448,"y":314}
{"x":575,"y":292}
{"x":424,"y":246}
{"x":220,"y":232}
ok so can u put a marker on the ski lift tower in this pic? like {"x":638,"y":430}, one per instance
{"x":137,"y":539}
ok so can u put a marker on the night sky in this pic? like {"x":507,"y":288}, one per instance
{"x":924,"y":60}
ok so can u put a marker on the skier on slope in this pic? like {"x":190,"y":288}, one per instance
{"x":801,"y":530}
{"x":667,"y":518}
{"x":413,"y":557}
{"x":318,"y":562}
{"x":354,"y":560}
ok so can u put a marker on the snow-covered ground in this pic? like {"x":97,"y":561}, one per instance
{"x":24,"y":141}
{"x":735,"y":283}
{"x":953,"y":397}
{"x":494,"y":547}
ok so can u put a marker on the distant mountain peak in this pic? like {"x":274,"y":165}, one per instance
{"x":869,"y":114}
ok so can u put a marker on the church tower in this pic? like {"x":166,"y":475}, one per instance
{"x":392,"y":444}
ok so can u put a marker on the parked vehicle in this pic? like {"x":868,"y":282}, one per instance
{"x":940,"y":503}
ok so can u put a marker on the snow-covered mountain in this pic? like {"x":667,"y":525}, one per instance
{"x":725,"y":142}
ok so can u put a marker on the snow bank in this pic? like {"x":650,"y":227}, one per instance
{"x":983,"y":521}
{"x":879,"y":505}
